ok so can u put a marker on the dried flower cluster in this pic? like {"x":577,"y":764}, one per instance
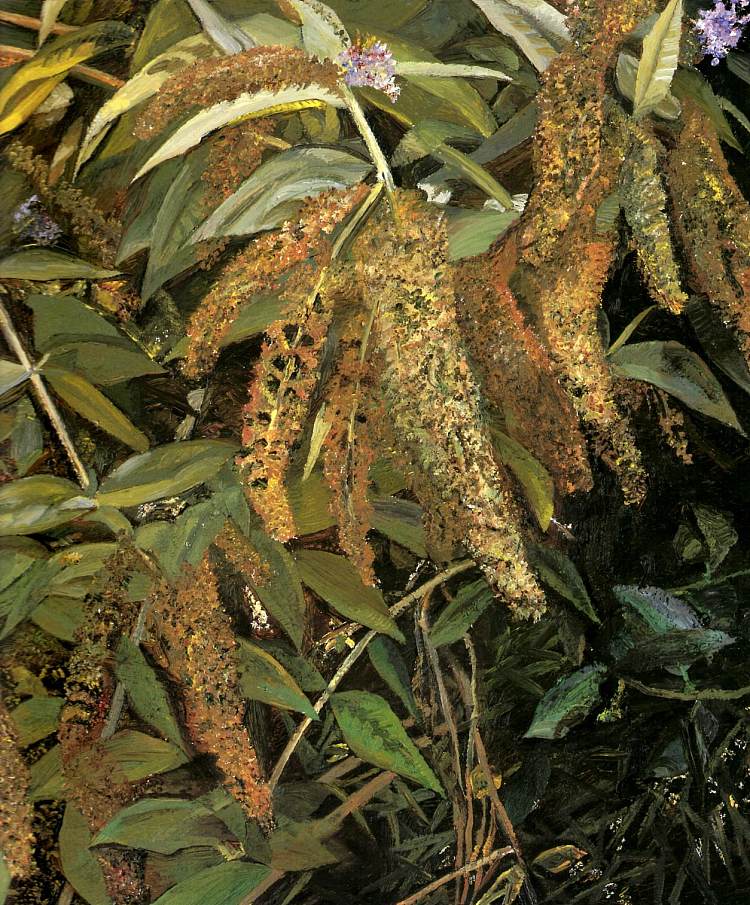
{"x":212,"y":81}
{"x":198,"y":643}
{"x":432,"y":396}
{"x":16,"y":837}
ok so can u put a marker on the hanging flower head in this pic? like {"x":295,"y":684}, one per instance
{"x":370,"y":65}
{"x":720,"y":29}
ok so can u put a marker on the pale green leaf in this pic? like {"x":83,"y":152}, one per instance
{"x":80,"y":866}
{"x":661,"y":50}
{"x":45,"y":264}
{"x":263,"y":678}
{"x":225,"y":884}
{"x":36,"y":718}
{"x":40,"y":503}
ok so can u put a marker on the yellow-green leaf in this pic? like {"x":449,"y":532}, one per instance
{"x":263,"y":678}
{"x":33,"y":82}
{"x":85,"y":399}
{"x":661,"y":50}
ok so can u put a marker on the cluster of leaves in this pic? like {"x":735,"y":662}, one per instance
{"x":447,"y":607}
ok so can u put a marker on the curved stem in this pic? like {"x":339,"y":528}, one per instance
{"x":368,"y":136}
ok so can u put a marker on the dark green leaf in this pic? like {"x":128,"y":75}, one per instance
{"x":27,"y":440}
{"x":80,"y":866}
{"x":389,"y":663}
{"x":400,"y":520}
{"x":36,"y":718}
{"x":558,"y":571}
{"x":282,"y":593}
{"x":472,"y":232}
{"x":262,"y":678}
{"x":659,"y":610}
{"x":567,"y":703}
{"x":719,"y":341}
{"x":461,"y":613}
{"x":374,"y":733}
{"x":675,"y":649}
{"x":225,"y":884}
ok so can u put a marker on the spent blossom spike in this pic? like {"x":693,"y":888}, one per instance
{"x":370,"y":65}
{"x":719,"y":29}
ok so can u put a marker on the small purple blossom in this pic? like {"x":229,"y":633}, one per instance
{"x":370,"y":65}
{"x":34,"y":224}
{"x":720,"y":29}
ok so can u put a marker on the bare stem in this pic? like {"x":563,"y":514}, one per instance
{"x":456,"y":874}
{"x":368,"y":136}
{"x":59,"y":28}
{"x":85,"y":73}
{"x":352,"y":657}
{"x":42,"y":394}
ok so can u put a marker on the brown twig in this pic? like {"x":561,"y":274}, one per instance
{"x":59,"y":28}
{"x":457,"y":874}
{"x":45,"y":400}
{"x":86,"y":73}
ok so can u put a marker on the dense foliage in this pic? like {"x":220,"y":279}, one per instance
{"x":373,"y":410}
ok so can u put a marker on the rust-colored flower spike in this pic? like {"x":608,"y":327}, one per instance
{"x":212,"y":81}
{"x":644,"y":202}
{"x":432,"y":396}
{"x":199,"y":644}
{"x":16,"y":837}
{"x":266,"y":266}
{"x":712,"y":220}
{"x":515,"y":369}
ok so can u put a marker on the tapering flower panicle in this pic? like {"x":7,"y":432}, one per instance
{"x":432,"y":396}
{"x":720,"y":28}
{"x":198,"y":644}
{"x":370,"y":65}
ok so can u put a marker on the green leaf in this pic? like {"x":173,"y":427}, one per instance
{"x":27,"y":440}
{"x":302,"y":671}
{"x":689,"y":84}
{"x":282,"y":594}
{"x":225,"y":884}
{"x":85,"y":399}
{"x":337,"y":581}
{"x":259,"y":104}
{"x":21,"y":598}
{"x":146,"y":694}
{"x":390,"y":666}
{"x":534,"y":25}
{"x":536,"y":481}
{"x":374,"y":733}
{"x":262,"y":678}
{"x":161,"y":472}
{"x":44,"y":264}
{"x":5,"y":880}
{"x":659,"y":610}
{"x":661,"y":50}
{"x":676,"y":649}
{"x":718,"y":532}
{"x":36,"y":718}
{"x":163,"y":825}
{"x":12,"y":375}
{"x":668,"y":108}
{"x":255,"y":317}
{"x":631,"y":328}
{"x":298,"y":846}
{"x":323,"y":33}
{"x":719,"y":341}
{"x":310,"y":501}
{"x":17,"y":555}
{"x":275,"y":191}
{"x":103,"y":362}
{"x":59,"y":616}
{"x":139,"y":755}
{"x":472,"y":232}
{"x":401,"y":521}
{"x":679,"y":371}
{"x":40,"y":503}
{"x":46,"y":780}
{"x":567,"y":703}
{"x":558,"y":572}
{"x":461,"y":613}
{"x":32,"y":83}
{"x":80,"y":866}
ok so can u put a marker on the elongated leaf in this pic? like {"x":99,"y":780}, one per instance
{"x":12,"y":375}
{"x":300,"y":669}
{"x":282,"y":593}
{"x":391,"y":667}
{"x":323,"y":33}
{"x":22,"y":597}
{"x":225,"y":34}
{"x":46,"y":776}
{"x":627,"y":68}
{"x":145,"y":693}
{"x":163,"y":471}
{"x":689,"y":84}
{"x":674,"y":650}
{"x":300,"y":845}
{"x":33,"y":82}
{"x":719,"y":341}
{"x":139,"y":755}
{"x":718,"y":532}
{"x":36,"y":718}
{"x":45,"y":264}
{"x":374,"y":733}
{"x":523,"y":23}
{"x":337,"y":581}
{"x":246,"y":106}
{"x":567,"y":703}
{"x":27,"y":439}
{"x":661,"y":50}
{"x":461,"y":613}
{"x":60,"y":617}
{"x":450,"y":70}
{"x":104,"y":362}
{"x":39,"y":503}
{"x":85,"y":399}
{"x":51,"y":9}
{"x":672,"y":367}
{"x":400,"y":520}
{"x":141,"y":87}
{"x":276,"y":190}
{"x":558,"y":571}
{"x":536,"y":481}
{"x":80,"y":866}
{"x":263,"y":678}
{"x":163,"y":825}
{"x":659,"y":610}
{"x":472,"y":232}
{"x":225,"y":884}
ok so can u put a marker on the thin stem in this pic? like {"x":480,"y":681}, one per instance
{"x":352,"y":657}
{"x":708,"y":694}
{"x":368,"y":136}
{"x":59,"y":28}
{"x":456,"y":874}
{"x":85,"y":73}
{"x":42,"y":394}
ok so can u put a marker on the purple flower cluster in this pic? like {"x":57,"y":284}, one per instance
{"x":370,"y":65}
{"x":720,"y":29}
{"x":34,"y":224}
